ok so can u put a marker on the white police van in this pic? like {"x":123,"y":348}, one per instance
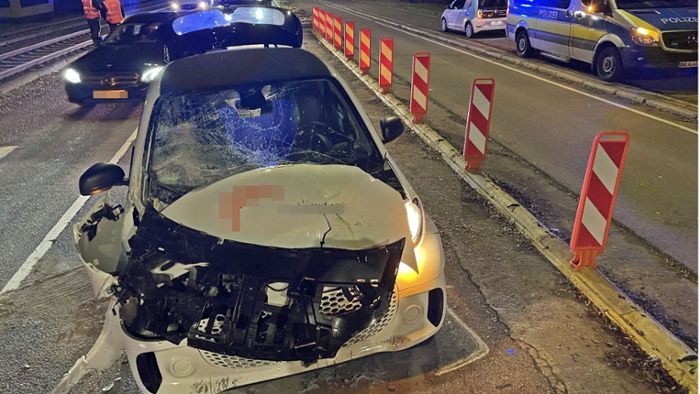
{"x":614,"y":36}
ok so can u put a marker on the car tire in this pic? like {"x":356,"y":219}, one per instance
{"x":608,"y":65}
{"x":469,"y":30}
{"x":522,"y":44}
{"x":443,"y":25}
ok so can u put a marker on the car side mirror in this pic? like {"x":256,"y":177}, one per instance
{"x":391,"y":127}
{"x":101,"y":177}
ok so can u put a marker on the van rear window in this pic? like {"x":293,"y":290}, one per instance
{"x":493,"y":3}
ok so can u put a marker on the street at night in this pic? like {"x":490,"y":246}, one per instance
{"x":358,"y":196}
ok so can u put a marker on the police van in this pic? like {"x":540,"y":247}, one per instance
{"x":614,"y":36}
{"x":473,"y":16}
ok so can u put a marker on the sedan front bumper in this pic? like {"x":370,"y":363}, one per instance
{"x":84,"y":94}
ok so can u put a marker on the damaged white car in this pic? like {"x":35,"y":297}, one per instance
{"x":267,"y":232}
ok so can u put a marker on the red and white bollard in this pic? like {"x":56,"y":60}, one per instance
{"x":365,"y":45}
{"x":598,"y":195}
{"x":338,"y":32}
{"x":420,"y":86}
{"x":314,"y":18}
{"x":329,"y":27}
{"x":349,"y":40}
{"x":386,"y":63}
{"x":321,"y":22}
{"x":478,"y":122}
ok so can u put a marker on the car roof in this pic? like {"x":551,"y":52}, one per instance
{"x":157,"y":16}
{"x":227,"y":68}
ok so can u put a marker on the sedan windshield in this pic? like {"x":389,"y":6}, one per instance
{"x":200,"y":138}
{"x":135,"y":33}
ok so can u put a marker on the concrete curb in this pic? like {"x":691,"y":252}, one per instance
{"x":676,"y":357}
{"x":666,"y":104}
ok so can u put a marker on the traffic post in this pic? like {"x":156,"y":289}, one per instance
{"x":420,"y":86}
{"x":386,"y":63}
{"x":321,"y":22}
{"x":349,"y":40}
{"x":329,"y":27}
{"x":365,"y":45}
{"x":314,"y":18}
{"x":478,"y":122}
{"x":338,"y":32}
{"x":598,"y":195}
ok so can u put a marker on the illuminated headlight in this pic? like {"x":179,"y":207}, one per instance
{"x":151,"y":74}
{"x":175,"y":6}
{"x":71,"y":76}
{"x":202,"y":5}
{"x":645,"y":37}
{"x":414,"y":213}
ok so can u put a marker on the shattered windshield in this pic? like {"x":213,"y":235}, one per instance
{"x":200,"y":138}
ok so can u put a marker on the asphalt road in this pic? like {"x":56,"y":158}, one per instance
{"x":525,"y":312}
{"x":552,"y":126}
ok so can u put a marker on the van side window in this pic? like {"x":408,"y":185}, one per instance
{"x":459,"y":4}
{"x":561,"y":4}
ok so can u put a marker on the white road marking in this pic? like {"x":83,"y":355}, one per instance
{"x":5,"y":150}
{"x":26,"y":268}
{"x":606,"y":101}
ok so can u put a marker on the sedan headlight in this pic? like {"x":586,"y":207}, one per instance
{"x":646,"y":37}
{"x":151,"y":74}
{"x":71,"y":75}
{"x":414,"y":213}
{"x":175,"y":6}
{"x":202,"y":5}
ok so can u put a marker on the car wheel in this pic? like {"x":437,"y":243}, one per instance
{"x":469,"y":30}
{"x":608,"y":65}
{"x":443,"y":25}
{"x":522,"y":44}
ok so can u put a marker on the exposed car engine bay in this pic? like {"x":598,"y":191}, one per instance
{"x":248,"y":300}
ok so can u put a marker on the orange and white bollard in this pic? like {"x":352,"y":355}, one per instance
{"x":349,"y":40}
{"x":321,"y":22}
{"x":338,"y":32}
{"x":598,"y":195}
{"x":314,"y":18}
{"x":478,"y":122}
{"x":329,"y":27}
{"x":386,"y":63}
{"x":420,"y":86}
{"x":365,"y":45}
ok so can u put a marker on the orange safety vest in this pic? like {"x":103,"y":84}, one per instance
{"x":90,"y":11}
{"x":114,"y":11}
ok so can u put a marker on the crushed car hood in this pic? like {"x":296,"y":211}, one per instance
{"x":298,"y":206}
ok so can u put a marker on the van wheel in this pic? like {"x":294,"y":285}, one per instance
{"x":522,"y":44}
{"x":469,"y":30}
{"x":443,"y":25}
{"x":608,"y":65}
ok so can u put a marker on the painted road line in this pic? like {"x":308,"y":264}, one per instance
{"x":402,"y":29}
{"x":26,"y":268}
{"x":5,"y":150}
{"x":653,"y":338}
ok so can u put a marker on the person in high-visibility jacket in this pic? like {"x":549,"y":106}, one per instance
{"x":92,"y":16}
{"x":114,"y":13}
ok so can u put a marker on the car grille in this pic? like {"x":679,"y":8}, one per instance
{"x":377,"y":325}
{"x":233,"y":362}
{"x":116,"y":80}
{"x":681,"y":40}
{"x":335,"y":302}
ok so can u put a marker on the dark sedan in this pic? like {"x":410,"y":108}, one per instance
{"x":127,"y":61}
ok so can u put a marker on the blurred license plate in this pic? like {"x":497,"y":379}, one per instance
{"x":688,"y":64}
{"x":110,"y":94}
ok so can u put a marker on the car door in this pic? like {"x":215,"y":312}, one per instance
{"x":588,"y":25}
{"x":554,"y":27}
{"x":453,"y":14}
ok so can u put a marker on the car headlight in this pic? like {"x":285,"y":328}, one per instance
{"x":175,"y":6}
{"x":202,"y":5}
{"x":414,"y":213}
{"x":71,"y":75}
{"x":645,"y":37}
{"x":151,"y":74}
